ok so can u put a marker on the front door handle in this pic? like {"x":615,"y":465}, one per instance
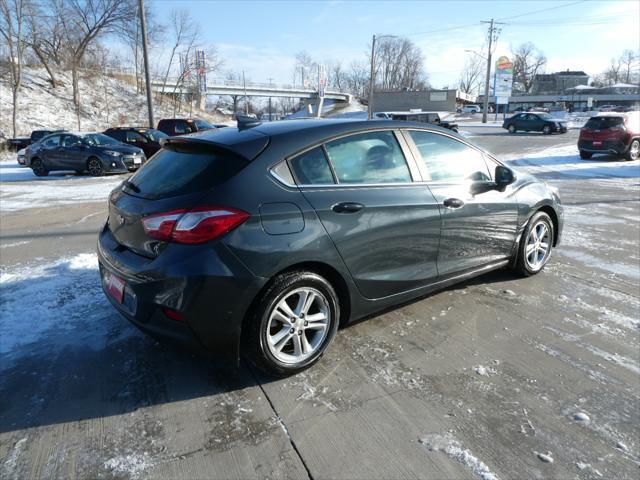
{"x":347,"y":207}
{"x":453,"y":203}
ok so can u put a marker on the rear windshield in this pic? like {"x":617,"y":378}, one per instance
{"x":600,"y":123}
{"x":154,"y":135}
{"x":170,"y":173}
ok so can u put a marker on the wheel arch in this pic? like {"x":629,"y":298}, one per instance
{"x":554,"y":219}
{"x":326,"y":271}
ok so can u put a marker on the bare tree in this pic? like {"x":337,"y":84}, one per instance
{"x":44,"y":37}
{"x":471,"y":77}
{"x":629,"y":66}
{"x":358,"y":79}
{"x":528,"y":61}
{"x":185,"y":33}
{"x":12,"y":27}
{"x":399,"y":65}
{"x":83,"y":22}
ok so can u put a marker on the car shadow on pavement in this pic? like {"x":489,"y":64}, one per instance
{"x":66,"y":355}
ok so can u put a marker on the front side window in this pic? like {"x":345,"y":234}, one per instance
{"x":373,"y":157}
{"x":135,"y":137}
{"x":182,"y":127}
{"x":99,"y":140}
{"x":312,"y":168}
{"x":52,"y":141}
{"x":447,"y":159}
{"x":70,"y":140}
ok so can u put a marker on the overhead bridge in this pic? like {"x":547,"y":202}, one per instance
{"x":250,"y":90}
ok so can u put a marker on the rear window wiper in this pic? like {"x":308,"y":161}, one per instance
{"x":131,"y":186}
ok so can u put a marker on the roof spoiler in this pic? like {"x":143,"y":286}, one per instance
{"x":246,"y":121}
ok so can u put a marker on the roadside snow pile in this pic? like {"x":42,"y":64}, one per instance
{"x":451,"y":447}
{"x":566,"y":160}
{"x":55,"y":304}
{"x":105,"y":102}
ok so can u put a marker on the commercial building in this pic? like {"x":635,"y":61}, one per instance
{"x":426,"y":100}
{"x":559,"y":82}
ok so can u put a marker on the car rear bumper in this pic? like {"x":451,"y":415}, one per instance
{"x":206,"y":284}
{"x":606,"y":146}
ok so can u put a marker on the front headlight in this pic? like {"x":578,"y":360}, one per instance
{"x":112,"y":153}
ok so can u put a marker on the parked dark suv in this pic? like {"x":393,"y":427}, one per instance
{"x":270,"y":237}
{"x":611,"y":133}
{"x":181,"y":126}
{"x":148,"y":139}
{"x":535,"y":122}
{"x":93,"y":152}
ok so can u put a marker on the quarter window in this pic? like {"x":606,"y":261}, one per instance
{"x":312,"y":168}
{"x":373,"y":157}
{"x":70,"y":140}
{"x":450,"y":160}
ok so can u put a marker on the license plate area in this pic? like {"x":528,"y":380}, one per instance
{"x":114,"y":285}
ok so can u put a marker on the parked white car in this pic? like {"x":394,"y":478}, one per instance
{"x":470,"y":109}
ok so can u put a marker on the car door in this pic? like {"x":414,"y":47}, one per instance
{"x":519,"y":121}
{"x":477,"y":229}
{"x":384,"y":225}
{"x":73,"y":153}
{"x":51,"y":152}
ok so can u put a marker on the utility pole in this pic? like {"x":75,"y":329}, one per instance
{"x":270,"y":119}
{"x":147,"y":75}
{"x":493,"y":36}
{"x":371,"y":80}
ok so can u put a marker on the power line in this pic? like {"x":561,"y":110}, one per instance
{"x":542,"y":10}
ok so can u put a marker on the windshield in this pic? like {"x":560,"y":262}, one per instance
{"x":202,"y":125}
{"x":154,"y":135}
{"x":98,"y":139}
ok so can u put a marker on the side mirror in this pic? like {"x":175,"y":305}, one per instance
{"x":504,"y":176}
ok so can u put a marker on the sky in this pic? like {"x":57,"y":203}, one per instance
{"x":263,"y":37}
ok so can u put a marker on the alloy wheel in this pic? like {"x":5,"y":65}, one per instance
{"x":634,"y":150}
{"x":298,"y":325}
{"x":94,"y":166}
{"x":538,"y":248}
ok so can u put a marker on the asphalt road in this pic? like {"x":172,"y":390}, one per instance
{"x":499,"y":377}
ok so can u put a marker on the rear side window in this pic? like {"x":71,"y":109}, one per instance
{"x":52,"y":141}
{"x":373,"y":157}
{"x":600,"y":123}
{"x":170,"y":173}
{"x":182,"y":127}
{"x":312,"y":168}
{"x":447,"y":159}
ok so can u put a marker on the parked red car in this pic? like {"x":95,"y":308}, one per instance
{"x":611,"y":133}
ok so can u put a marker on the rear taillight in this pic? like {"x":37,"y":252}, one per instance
{"x":197,"y":225}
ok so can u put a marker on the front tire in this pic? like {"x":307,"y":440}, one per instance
{"x":585,"y":155}
{"x":39,"y":170}
{"x":293,"y":323}
{"x":95,"y":167}
{"x":535,"y":245}
{"x":634,"y":150}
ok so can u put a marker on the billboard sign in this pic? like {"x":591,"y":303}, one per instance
{"x":201,"y":68}
{"x":503,"y":80}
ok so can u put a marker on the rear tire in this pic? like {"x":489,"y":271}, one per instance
{"x":512,"y":129}
{"x":535,"y":245}
{"x":293,"y":323}
{"x":634,"y":150}
{"x":585,"y":155}
{"x":39,"y":170}
{"x":95,"y":167}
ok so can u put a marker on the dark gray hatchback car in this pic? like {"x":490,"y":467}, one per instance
{"x":262,"y":241}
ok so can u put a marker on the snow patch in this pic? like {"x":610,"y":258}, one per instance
{"x":9,"y":465}
{"x":128,"y":465}
{"x":451,"y":447}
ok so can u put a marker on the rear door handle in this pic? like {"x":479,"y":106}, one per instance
{"x":347,"y":207}
{"x":453,"y":203}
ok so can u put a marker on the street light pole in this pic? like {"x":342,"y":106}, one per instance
{"x":147,"y":75}
{"x":371,"y":81}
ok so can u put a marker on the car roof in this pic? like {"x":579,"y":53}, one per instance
{"x":290,"y":135}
